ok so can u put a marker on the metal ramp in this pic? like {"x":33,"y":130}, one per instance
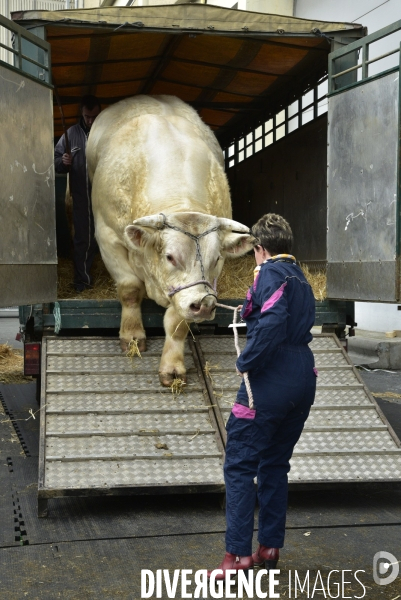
{"x":107,"y":426}
{"x":346,"y":438}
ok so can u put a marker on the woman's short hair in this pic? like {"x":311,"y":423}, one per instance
{"x":274,"y":234}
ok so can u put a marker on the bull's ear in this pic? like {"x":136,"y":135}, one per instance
{"x":136,"y":237}
{"x":236,"y":244}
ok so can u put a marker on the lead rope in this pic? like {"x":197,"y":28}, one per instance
{"x":238,"y":349}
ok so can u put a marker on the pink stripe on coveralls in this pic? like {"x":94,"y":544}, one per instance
{"x":273,"y":298}
{"x":248,"y":308}
{"x":243,"y":412}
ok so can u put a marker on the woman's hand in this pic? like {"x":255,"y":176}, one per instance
{"x":239,"y":372}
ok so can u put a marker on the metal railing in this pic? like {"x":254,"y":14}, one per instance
{"x":30,"y":54}
{"x":310,"y":105}
{"x":350,"y":65}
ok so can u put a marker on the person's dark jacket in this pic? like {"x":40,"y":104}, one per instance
{"x":79,"y":183}
{"x":279,"y":309}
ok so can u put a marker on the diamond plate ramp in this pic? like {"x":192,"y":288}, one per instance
{"x":345,"y":439}
{"x":90,"y":518}
{"x":108,"y":426}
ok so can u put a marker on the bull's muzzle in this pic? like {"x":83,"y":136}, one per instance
{"x":204,"y":308}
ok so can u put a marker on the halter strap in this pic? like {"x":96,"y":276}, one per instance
{"x":195,"y":238}
{"x":174,"y":290}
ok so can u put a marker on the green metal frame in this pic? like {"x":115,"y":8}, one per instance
{"x":106,"y":314}
{"x":21,"y":59}
{"x":362,"y":46}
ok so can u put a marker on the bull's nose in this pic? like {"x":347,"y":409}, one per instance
{"x":204,"y":308}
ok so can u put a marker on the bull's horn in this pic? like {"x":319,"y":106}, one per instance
{"x":154,"y":221}
{"x":233,"y":225}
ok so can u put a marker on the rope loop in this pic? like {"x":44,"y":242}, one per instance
{"x":236,"y":310}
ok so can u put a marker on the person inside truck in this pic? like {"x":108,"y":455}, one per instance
{"x":279,"y":311}
{"x":74,"y":163}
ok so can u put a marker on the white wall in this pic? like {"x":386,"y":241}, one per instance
{"x":373,"y":14}
{"x":274,"y":7}
{"x":377,"y":317}
{"x":9,"y":6}
{"x":280,"y":7}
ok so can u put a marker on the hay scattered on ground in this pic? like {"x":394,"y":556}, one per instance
{"x":234,"y":281}
{"x":208,"y":368}
{"x":12,"y":365}
{"x":177,"y":387}
{"x":386,"y":395}
{"x":133,"y":350}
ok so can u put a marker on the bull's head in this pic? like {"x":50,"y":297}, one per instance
{"x":183,"y":255}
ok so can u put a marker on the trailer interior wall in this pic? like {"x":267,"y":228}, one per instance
{"x":289,"y":178}
{"x":236,"y":68}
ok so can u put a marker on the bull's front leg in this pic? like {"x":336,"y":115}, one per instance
{"x":130,"y":296}
{"x":172,"y":361}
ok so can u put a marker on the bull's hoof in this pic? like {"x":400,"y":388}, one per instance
{"x":172,"y":379}
{"x":124,"y":344}
{"x":142,"y":345}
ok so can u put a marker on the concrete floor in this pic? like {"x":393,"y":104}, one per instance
{"x":95,"y":548}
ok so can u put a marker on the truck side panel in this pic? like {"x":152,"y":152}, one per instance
{"x":28,"y":260}
{"x":362,"y":191}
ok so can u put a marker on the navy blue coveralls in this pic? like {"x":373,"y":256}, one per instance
{"x":279,"y":312}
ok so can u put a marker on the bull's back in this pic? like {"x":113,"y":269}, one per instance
{"x":109,"y":122}
{"x":147,"y":162}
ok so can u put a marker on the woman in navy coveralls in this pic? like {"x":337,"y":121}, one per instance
{"x":279,"y":311}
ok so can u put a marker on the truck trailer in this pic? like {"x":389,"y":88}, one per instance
{"x":260,"y":82}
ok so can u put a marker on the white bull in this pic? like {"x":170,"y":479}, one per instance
{"x":162,"y":216}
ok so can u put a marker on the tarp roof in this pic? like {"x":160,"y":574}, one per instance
{"x":232,"y":66}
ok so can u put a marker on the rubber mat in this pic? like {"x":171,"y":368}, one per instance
{"x":17,"y":402}
{"x":20,"y":397}
{"x":112,"y":569}
{"x":27,"y":432}
{"x":122,"y":517}
{"x":9,"y":519}
{"x":9,"y":442}
{"x":337,"y":507}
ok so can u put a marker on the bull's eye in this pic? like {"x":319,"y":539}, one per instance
{"x":170,"y":258}
{"x":217,"y":261}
